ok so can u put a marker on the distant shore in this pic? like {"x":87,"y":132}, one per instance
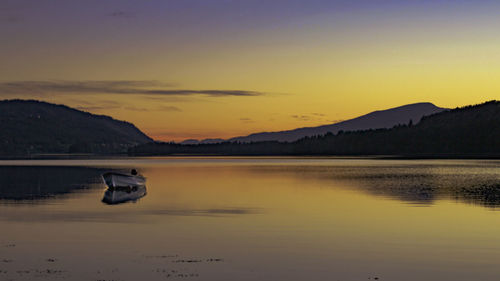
{"x":124,"y":156}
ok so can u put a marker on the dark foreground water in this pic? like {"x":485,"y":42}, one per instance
{"x":252,"y":219}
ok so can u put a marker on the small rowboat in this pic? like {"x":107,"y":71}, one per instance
{"x":116,"y":180}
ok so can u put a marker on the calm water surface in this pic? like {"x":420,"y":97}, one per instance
{"x":252,"y":219}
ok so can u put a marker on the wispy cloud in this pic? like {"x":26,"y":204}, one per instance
{"x":101,"y":105}
{"x":211,"y":93}
{"x":168,"y":108}
{"x":10,"y":18}
{"x":314,"y":117}
{"x":182,"y":135}
{"x":157,"y":108}
{"x":121,"y":14}
{"x":10,"y":12}
{"x":121,"y":87}
{"x":135,"y":108}
{"x":246,"y":120}
{"x":96,"y":105}
{"x":96,"y":108}
{"x":302,"y":117}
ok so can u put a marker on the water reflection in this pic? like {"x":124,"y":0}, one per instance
{"x":424,"y":185}
{"x":255,"y":220}
{"x":120,"y":195}
{"x":419,"y":184}
{"x":37,"y":184}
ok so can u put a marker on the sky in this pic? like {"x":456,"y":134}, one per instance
{"x":181,"y":69}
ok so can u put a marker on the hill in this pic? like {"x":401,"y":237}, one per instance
{"x":374,"y":120}
{"x":470,"y":130}
{"x":31,"y":127}
{"x":462,"y":132}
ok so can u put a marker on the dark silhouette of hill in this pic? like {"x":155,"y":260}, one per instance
{"x":31,"y":127}
{"x":467,"y":130}
{"x":375,"y":120}
{"x":461,"y":132}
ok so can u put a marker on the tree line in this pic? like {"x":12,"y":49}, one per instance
{"x":471,"y":130}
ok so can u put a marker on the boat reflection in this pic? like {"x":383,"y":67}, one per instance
{"x":120,"y":195}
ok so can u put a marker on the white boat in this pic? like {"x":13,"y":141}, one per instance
{"x":124,"y":194}
{"x":116,"y":180}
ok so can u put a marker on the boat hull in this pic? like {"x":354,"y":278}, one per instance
{"x":117,"y":180}
{"x":122,"y":195}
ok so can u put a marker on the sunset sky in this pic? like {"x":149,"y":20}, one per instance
{"x":182,"y":69}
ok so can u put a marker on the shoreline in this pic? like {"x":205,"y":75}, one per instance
{"x":216,"y":156}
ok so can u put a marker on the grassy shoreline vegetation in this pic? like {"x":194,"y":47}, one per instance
{"x":465,"y":132}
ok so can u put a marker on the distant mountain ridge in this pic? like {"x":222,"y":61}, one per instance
{"x":466,"y":132}
{"x":375,"y":120}
{"x":31,"y":127}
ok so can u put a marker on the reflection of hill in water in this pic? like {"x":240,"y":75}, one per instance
{"x":472,"y":182}
{"x":426,"y":188}
{"x":417,"y":184}
{"x":37,"y":182}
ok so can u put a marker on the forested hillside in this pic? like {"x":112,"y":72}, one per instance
{"x":29,"y":127}
{"x":471,"y":130}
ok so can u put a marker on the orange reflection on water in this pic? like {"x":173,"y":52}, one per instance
{"x":291,"y":219}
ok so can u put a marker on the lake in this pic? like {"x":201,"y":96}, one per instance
{"x":252,"y":219}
